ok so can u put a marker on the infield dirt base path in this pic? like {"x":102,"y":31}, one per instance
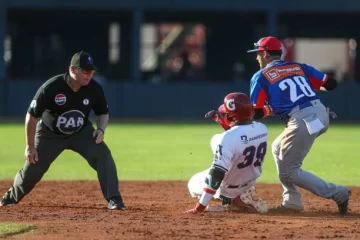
{"x":77,"y":210}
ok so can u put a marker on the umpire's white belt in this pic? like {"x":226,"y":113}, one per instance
{"x":313,"y":103}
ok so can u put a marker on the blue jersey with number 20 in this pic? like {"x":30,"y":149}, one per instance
{"x":285,"y":85}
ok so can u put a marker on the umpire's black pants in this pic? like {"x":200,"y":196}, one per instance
{"x":50,"y":145}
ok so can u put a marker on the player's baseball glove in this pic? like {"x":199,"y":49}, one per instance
{"x":214,"y":115}
{"x":219,"y":118}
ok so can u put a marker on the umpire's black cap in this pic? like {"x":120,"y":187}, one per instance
{"x":83,"y":60}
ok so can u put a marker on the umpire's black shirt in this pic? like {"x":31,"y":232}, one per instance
{"x":64,"y":111}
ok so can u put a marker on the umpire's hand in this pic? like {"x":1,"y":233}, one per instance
{"x":31,"y":154}
{"x":98,"y":135}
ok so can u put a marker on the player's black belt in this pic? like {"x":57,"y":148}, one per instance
{"x":305,"y":105}
{"x":237,"y":186}
{"x":298,"y":108}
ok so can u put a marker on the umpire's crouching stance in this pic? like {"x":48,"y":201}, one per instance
{"x":62,"y":105}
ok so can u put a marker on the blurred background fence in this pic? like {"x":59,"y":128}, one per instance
{"x":167,"y":59}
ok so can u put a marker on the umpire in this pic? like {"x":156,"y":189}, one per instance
{"x":58,"y":119}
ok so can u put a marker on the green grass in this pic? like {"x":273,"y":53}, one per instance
{"x":10,"y":229}
{"x":177,"y":151}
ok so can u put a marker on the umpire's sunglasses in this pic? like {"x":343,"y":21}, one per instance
{"x":86,"y":72}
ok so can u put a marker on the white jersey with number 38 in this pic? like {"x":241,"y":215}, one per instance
{"x":240,"y":152}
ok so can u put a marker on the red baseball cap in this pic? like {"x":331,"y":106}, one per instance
{"x":267,"y":44}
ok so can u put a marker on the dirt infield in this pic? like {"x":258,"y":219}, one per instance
{"x":76,"y":210}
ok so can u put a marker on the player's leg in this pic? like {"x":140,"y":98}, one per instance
{"x":291,"y":195}
{"x":100,"y":159}
{"x":196,"y":183}
{"x":48,"y":145}
{"x":295,"y":145}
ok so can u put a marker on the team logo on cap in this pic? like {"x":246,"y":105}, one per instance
{"x":33,"y":104}
{"x":90,"y":61}
{"x":60,"y":99}
{"x":230,"y":104}
{"x":86,"y":101}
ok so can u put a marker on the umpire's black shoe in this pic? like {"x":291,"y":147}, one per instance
{"x":116,"y":203}
{"x":344,"y":206}
{"x":7,"y":200}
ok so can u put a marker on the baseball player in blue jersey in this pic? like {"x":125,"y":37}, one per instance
{"x":288,"y":90}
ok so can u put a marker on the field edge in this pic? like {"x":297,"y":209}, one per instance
{"x":9,"y":229}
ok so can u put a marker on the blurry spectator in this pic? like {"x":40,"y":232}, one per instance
{"x":185,"y":67}
{"x":196,"y":71}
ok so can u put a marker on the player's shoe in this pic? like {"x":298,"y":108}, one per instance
{"x":247,"y":202}
{"x":7,"y":200}
{"x":116,"y":203}
{"x":344,"y":206}
{"x":282,"y":209}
